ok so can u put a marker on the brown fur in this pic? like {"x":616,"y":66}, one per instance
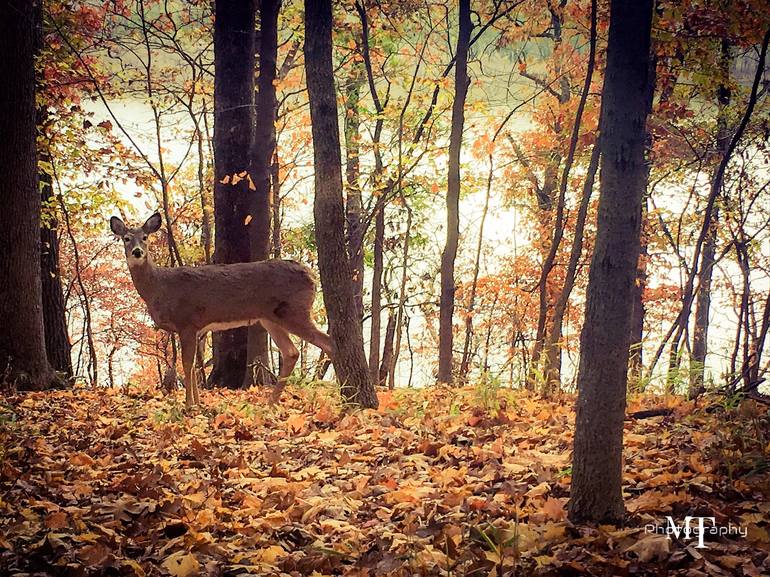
{"x":192,"y":300}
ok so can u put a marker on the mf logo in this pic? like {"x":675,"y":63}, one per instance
{"x":691,"y":528}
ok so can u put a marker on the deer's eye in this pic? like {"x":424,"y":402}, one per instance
{"x":127,"y":238}
{"x":144,"y":237}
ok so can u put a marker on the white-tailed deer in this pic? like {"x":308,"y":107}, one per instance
{"x":189,"y":301}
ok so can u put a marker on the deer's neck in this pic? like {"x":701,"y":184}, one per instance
{"x":144,"y":277}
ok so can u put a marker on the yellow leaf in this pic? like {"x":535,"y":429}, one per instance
{"x":554,"y":509}
{"x":297,"y":422}
{"x":247,"y":220}
{"x":270,"y":554}
{"x":182,"y":564}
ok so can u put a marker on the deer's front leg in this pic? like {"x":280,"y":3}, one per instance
{"x":289,"y":355}
{"x":189,"y":342}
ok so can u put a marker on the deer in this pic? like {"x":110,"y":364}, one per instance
{"x":192,"y":300}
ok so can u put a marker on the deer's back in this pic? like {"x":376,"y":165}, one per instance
{"x":230,"y":294}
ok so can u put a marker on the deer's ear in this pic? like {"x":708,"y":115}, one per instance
{"x":153,"y":224}
{"x":117,"y":226}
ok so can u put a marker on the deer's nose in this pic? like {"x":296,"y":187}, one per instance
{"x":138,"y":252}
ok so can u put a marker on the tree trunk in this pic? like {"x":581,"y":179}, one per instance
{"x":379,"y":208}
{"x":447,"y":303}
{"x":703,"y":302}
{"x":552,"y":338}
{"x":22,"y":339}
{"x":57,"y":342}
{"x":465,"y":362}
{"x":377,"y":269}
{"x":354,"y":206}
{"x":711,"y":206}
{"x":329,"y":210}
{"x":387,"y":350}
{"x":233,"y":121}
{"x":637,"y":316}
{"x":635,"y":365}
{"x":264,"y":144}
{"x":400,"y":309}
{"x":597,"y":464}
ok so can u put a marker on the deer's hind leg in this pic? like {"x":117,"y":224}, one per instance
{"x":299,"y":322}
{"x":189,"y":342}
{"x":289,"y":355}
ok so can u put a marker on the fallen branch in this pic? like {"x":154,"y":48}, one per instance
{"x":646,"y":414}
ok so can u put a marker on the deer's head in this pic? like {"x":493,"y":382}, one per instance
{"x":135,"y":239}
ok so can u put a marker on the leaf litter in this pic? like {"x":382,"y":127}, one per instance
{"x":437,"y":482}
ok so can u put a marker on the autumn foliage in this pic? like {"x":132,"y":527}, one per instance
{"x":437,"y":482}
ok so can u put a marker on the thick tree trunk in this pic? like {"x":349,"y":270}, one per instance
{"x":447,"y":303}
{"x":22,"y":338}
{"x":703,"y":301}
{"x":258,"y":358}
{"x":329,"y":210}
{"x":233,"y":121}
{"x":597,"y":464}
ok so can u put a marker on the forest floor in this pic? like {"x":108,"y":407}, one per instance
{"x":451,"y":482}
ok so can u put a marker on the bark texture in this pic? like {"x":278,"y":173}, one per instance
{"x":447,"y":303}
{"x":57,"y":342}
{"x":234,"y":58}
{"x":258,"y":358}
{"x":329,"y":210}
{"x":604,"y":342}
{"x":23,"y":358}
{"x":354,"y":208}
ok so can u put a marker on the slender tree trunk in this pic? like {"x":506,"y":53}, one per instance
{"x":379,"y":208}
{"x":597,"y":464}
{"x":552,"y":339}
{"x":275,"y":180}
{"x":711,"y":206}
{"x":465,"y":363}
{"x":375,"y":328}
{"x":400,"y":310}
{"x":387,"y":349}
{"x":57,"y":342}
{"x":703,"y":301}
{"x":547,"y":362}
{"x":329,"y":210}
{"x":635,"y":365}
{"x":233,"y":121}
{"x":203,"y":192}
{"x":553,"y":349}
{"x":264,"y":145}
{"x":23,"y":358}
{"x":354,"y":207}
{"x":447,"y":303}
